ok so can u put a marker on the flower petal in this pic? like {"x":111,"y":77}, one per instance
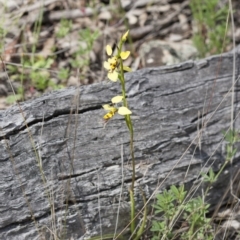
{"x":113,"y":60}
{"x":107,"y":107}
{"x":106,"y":65}
{"x":113,"y":76}
{"x":124,"y":37}
{"x":109,"y":50}
{"x":127,"y":69}
{"x":124,"y":111}
{"x":124,"y":55}
{"x":117,"y":99}
{"x":107,"y":116}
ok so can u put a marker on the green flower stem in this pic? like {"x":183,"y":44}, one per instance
{"x":132,"y":211}
{"x":122,"y":81}
{"x":221,"y":169}
{"x":127,"y":117}
{"x":141,"y":229}
{"x":130,"y":127}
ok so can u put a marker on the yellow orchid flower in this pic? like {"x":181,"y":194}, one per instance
{"x":112,"y":109}
{"x":117,"y":99}
{"x":111,"y":66}
{"x":111,"y":112}
{"x":113,"y":76}
{"x":124,"y":111}
{"x":124,"y":55}
{"x":109,"y":50}
{"x":112,"y":63}
{"x":125,"y":35}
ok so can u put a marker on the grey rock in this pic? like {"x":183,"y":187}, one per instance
{"x":55,"y":150}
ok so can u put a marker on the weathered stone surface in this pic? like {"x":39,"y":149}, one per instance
{"x":179,"y":114}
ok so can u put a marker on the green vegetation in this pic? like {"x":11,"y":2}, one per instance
{"x":34,"y":69}
{"x":81,"y":57}
{"x":210,"y":20}
{"x":33,"y":72}
{"x":64,"y":28}
{"x":174,"y":206}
